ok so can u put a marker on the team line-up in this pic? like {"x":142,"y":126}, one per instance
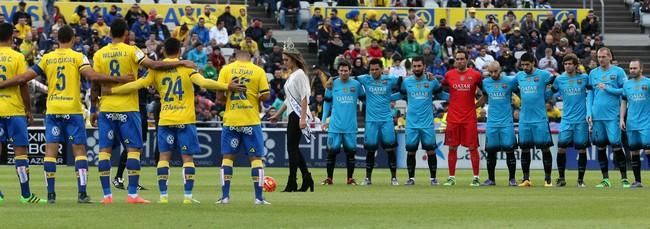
{"x":596,"y":103}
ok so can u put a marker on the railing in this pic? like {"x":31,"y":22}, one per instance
{"x":602,"y":13}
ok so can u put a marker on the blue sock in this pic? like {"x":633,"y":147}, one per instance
{"x":188,"y":178}
{"x":163,"y":175}
{"x":22,"y":169}
{"x":104,"y":167}
{"x":49,"y":165}
{"x":133,"y":171}
{"x":257,"y":172}
{"x":81,"y":166}
{"x":226,"y":175}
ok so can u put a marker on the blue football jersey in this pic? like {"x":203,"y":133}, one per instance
{"x":341,"y":102}
{"x":419,"y":93}
{"x":606,"y":103}
{"x":532,"y":89}
{"x":378,"y":96}
{"x":499,"y":94}
{"x":574,"y":91}
{"x":637,"y":95}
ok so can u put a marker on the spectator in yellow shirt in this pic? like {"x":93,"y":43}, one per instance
{"x":236,"y":38}
{"x":554,"y":114}
{"x":209,"y":16}
{"x":101,"y":27}
{"x":420,"y":31}
{"x":23,"y":28}
{"x":181,"y":33}
{"x":188,"y":18}
{"x":353,"y":21}
{"x":249,"y":45}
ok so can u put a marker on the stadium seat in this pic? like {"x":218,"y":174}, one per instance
{"x":321,"y":5}
{"x":147,"y":2}
{"x":129,"y":1}
{"x":401,"y":106}
{"x":269,"y":76}
{"x":184,"y":2}
{"x":644,"y":20}
{"x":165,"y":2}
{"x":429,"y":4}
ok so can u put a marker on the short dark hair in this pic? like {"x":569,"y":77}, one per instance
{"x":459,"y":51}
{"x":317,"y":8}
{"x":66,"y":34}
{"x":571,"y":57}
{"x":118,"y":28}
{"x":344,"y":63}
{"x":6,"y":31}
{"x":376,"y":61}
{"x":418,"y":59}
{"x":172,"y":46}
{"x":528,"y":57}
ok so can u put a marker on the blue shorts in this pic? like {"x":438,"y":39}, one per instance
{"x":13,"y":130}
{"x":248,"y":138}
{"x":638,"y":139}
{"x":335,"y":140}
{"x":59,"y":128}
{"x":180,"y":137}
{"x":574,"y":135}
{"x":125,"y":127}
{"x":375,"y":130}
{"x":415,"y":136}
{"x":606,"y":132}
{"x":500,"y":138}
{"x":536,"y":135}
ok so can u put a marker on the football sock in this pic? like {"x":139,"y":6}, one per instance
{"x":257,"y":173}
{"x":410,"y":164}
{"x":525,"y":163}
{"x":582,"y":165}
{"x":621,"y":162}
{"x":226,"y":175}
{"x":189,"y":171}
{"x":476,"y":159}
{"x":331,"y":160}
{"x":392,"y":162}
{"x":547,"y":159}
{"x":452,"y":157}
{"x":81,"y":165}
{"x":561,"y":164}
{"x":22,"y":170}
{"x":370,"y":163}
{"x":432,"y":160}
{"x":511,"y":162}
{"x":603,"y":162}
{"x":49,"y":165}
{"x":491,"y":164}
{"x":636,"y":167}
{"x":163,"y":175}
{"x":133,"y":171}
{"x":104,"y":167}
{"x":350,"y":163}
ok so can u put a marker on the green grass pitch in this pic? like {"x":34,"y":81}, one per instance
{"x":337,"y":206}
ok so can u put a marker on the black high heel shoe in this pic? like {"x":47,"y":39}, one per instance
{"x":292,"y":185}
{"x":307,"y":183}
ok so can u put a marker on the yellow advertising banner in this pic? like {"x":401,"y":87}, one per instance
{"x":171,"y":13}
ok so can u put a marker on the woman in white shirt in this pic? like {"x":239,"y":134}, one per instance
{"x":297,"y":89}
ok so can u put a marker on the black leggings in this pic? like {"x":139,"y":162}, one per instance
{"x":294,"y":134}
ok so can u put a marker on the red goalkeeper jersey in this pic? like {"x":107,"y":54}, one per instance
{"x":462,"y":90}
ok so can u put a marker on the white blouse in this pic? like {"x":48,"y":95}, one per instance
{"x":297,"y":86}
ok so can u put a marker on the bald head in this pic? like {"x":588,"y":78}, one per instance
{"x":494,"y":70}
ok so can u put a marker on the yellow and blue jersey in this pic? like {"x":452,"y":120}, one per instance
{"x":242,"y":108}
{"x":176,"y":90}
{"x":12,"y":63}
{"x":62,"y":70}
{"x":117,"y":60}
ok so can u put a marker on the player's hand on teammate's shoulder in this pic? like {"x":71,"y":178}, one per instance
{"x":431,"y":76}
{"x":602,"y":86}
{"x":93,"y":119}
{"x":329,"y":83}
{"x":106,"y":90}
{"x":126,"y":78}
{"x":189,"y":64}
{"x":236,"y":86}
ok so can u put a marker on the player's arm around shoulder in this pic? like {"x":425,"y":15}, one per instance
{"x":133,"y":85}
